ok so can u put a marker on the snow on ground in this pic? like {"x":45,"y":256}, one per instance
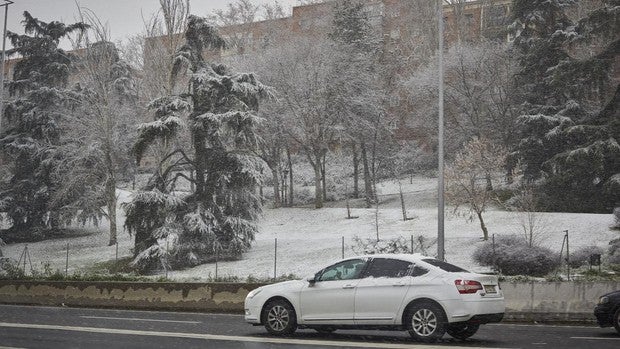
{"x":309,"y":239}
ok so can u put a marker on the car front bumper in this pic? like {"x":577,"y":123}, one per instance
{"x":604,"y":315}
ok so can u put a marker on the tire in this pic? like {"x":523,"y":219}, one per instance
{"x":616,"y":319}
{"x":324,"y":330}
{"x":279,"y":318}
{"x":426,"y":322}
{"x":462,"y":330}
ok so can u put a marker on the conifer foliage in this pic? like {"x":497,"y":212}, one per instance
{"x":30,"y":131}
{"x":216,"y":218}
{"x":569,"y":122}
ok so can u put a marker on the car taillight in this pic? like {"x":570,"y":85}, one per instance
{"x":467,"y":286}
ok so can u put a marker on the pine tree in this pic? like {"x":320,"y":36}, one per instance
{"x":217,"y":219}
{"x":570,"y":110}
{"x":32,"y":129}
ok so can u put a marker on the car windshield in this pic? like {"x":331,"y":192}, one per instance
{"x":444,"y":265}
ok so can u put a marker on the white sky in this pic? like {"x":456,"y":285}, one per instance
{"x":124,"y":17}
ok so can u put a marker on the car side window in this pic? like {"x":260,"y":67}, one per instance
{"x":347,"y":270}
{"x":417,"y":270}
{"x":392,"y":268}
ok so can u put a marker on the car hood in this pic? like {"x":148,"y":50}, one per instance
{"x":613,"y":294}
{"x":284,"y":285}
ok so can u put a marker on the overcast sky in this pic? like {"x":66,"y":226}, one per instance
{"x":124,"y":17}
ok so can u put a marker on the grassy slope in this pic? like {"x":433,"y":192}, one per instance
{"x":309,"y":239}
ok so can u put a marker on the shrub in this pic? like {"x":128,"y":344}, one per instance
{"x":582,"y":256}
{"x":613,"y":254}
{"x":513,"y":256}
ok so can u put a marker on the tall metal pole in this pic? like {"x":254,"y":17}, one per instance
{"x":6,"y":15}
{"x":440,"y":194}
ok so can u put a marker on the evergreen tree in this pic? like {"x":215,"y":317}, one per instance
{"x":569,"y":135}
{"x":32,"y":129}
{"x":217,"y":217}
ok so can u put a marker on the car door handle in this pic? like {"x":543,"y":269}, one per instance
{"x":348,"y":286}
{"x":398,"y":285}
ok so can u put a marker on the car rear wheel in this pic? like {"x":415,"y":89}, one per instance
{"x":279,"y":318}
{"x":617,"y":320}
{"x":426,"y":322}
{"x":462,"y":330}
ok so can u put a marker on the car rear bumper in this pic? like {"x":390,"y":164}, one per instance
{"x":480,"y":310}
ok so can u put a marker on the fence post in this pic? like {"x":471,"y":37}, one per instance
{"x":217,"y":254}
{"x":167,"y":261}
{"x":117,"y":249}
{"x":343,"y":247}
{"x":494,"y":257}
{"x":411,"y":244}
{"x":567,"y":258}
{"x":67,"y":262}
{"x":275,"y":259}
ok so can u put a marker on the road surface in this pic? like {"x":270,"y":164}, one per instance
{"x":61,"y":327}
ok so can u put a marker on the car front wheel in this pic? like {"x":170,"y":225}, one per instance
{"x":426,"y":322}
{"x":280,"y":318}
{"x":462,"y":330}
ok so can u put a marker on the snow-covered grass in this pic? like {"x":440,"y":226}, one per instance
{"x":309,"y":239}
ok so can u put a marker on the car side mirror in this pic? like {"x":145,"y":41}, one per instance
{"x":311,"y":279}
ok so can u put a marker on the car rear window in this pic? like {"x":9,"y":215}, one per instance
{"x":451,"y":268}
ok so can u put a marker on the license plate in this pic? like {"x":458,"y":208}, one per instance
{"x":489,"y":289}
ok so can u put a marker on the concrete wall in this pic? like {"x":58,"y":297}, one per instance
{"x":555,"y":301}
{"x":561,"y":301}
{"x":214,"y":297}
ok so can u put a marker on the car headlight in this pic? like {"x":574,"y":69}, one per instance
{"x":254,"y":292}
{"x":603,"y":300}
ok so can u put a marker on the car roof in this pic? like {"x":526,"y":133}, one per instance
{"x":403,"y":256}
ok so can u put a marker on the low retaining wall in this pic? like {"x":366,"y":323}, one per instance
{"x":543,"y":302}
{"x":208,"y":297}
{"x":554,"y":301}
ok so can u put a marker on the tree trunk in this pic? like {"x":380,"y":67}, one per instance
{"x":277,"y":202}
{"x":323,"y":177}
{"x":367,"y":183}
{"x":356,"y":171}
{"x":402,"y":201}
{"x":318,"y":192}
{"x":111,"y":203}
{"x":110,"y":184}
{"x":290,"y":171}
{"x":200,"y":152}
{"x":485,"y":232}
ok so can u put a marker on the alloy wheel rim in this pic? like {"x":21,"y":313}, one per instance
{"x":278,"y":318}
{"x":424,"y":322}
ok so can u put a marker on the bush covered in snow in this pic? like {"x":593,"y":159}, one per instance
{"x":613,"y":254}
{"x":513,"y":256}
{"x":582,"y":256}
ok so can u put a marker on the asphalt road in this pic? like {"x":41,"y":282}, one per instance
{"x":49,"y":327}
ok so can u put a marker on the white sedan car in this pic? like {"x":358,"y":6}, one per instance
{"x":423,"y":295}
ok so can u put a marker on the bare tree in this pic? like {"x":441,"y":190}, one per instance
{"x":468,"y":176}
{"x":478,"y":94}
{"x":97,"y":138}
{"x":532,"y":224}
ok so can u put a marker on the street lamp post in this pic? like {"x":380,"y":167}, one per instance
{"x":6,"y":15}
{"x":440,"y":155}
